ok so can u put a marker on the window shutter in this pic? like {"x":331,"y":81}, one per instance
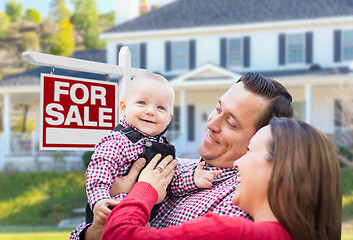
{"x":337,"y":46}
{"x":168,"y":56}
{"x":118,"y":47}
{"x":282,"y":49}
{"x":223,"y":53}
{"x":143,"y":63}
{"x":246,"y":52}
{"x":191,"y":123}
{"x":192,"y":54}
{"x":309,"y":47}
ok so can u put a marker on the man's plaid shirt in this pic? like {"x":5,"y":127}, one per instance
{"x":217,"y":199}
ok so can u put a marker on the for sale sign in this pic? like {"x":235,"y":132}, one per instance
{"x":76,"y":113}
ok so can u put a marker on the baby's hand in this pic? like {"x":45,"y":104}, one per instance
{"x":203,"y":178}
{"x":103,"y":208}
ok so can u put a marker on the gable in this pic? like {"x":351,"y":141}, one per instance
{"x":207,"y":75}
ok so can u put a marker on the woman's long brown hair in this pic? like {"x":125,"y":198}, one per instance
{"x":305,"y":188}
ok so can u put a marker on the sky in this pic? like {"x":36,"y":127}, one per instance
{"x":43,"y":5}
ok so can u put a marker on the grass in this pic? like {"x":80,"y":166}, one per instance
{"x":34,"y":233}
{"x":40,"y":198}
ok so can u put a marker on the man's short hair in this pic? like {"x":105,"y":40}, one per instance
{"x":280,"y":101}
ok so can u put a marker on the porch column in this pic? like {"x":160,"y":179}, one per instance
{"x":183,"y":120}
{"x":308,"y":103}
{"x":7,"y":130}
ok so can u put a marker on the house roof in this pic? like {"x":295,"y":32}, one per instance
{"x":202,"y":13}
{"x":32,"y":77}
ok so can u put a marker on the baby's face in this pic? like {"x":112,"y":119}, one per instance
{"x":148,"y":107}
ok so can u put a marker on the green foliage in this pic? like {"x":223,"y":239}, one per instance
{"x":346,"y":152}
{"x":107,"y":20}
{"x":347,"y":193}
{"x":30,"y":42}
{"x":4,"y":25}
{"x":62,"y":42}
{"x":86,"y":157}
{"x":14,"y":10}
{"x":40,"y":198}
{"x":60,"y":11}
{"x":86,"y":18}
{"x":33,"y":15}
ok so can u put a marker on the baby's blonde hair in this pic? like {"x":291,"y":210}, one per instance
{"x":152,"y":77}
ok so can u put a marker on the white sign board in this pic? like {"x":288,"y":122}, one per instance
{"x":76,"y":113}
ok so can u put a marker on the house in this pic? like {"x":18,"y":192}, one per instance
{"x":204,"y":46}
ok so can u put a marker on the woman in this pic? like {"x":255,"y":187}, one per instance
{"x":289,"y":181}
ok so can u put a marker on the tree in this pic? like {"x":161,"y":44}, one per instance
{"x":4,"y":25}
{"x":33,"y":15}
{"x":14,"y":10}
{"x":59,"y":10}
{"x":62,"y":41}
{"x":107,"y":20}
{"x":30,"y":42}
{"x":86,"y":18}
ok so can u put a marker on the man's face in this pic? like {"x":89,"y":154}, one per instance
{"x":230,"y":126}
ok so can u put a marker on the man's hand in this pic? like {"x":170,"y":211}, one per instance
{"x":203,"y":178}
{"x":125,"y":184}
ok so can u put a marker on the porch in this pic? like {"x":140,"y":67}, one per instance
{"x":24,"y":155}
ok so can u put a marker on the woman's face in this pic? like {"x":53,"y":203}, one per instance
{"x":254,"y":173}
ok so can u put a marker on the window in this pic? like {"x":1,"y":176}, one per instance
{"x":135,"y":55}
{"x":235,"y":52}
{"x":295,"y":48}
{"x":347,"y":45}
{"x":138,"y":53}
{"x":180,"y":55}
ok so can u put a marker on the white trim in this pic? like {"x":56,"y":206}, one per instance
{"x":308,"y":103}
{"x":182,"y":80}
{"x":20,"y":89}
{"x":78,"y":64}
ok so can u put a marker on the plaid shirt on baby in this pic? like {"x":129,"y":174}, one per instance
{"x":112,"y":158}
{"x":217,"y":199}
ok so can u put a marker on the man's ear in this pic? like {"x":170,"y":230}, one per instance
{"x":122,"y":108}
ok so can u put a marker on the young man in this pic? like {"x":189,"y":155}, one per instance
{"x":240,"y":112}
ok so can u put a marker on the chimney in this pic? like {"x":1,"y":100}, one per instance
{"x":126,"y":10}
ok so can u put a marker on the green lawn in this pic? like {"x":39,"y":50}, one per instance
{"x":34,"y":233}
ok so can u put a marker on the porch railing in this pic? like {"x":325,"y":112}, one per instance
{"x":24,"y":143}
